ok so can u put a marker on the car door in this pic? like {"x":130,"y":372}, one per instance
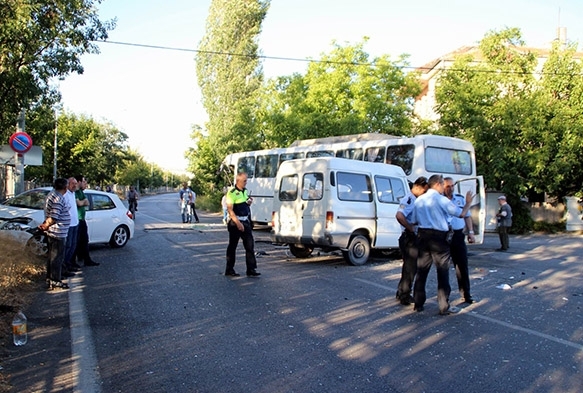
{"x":389,"y":191}
{"x":100,"y":217}
{"x":478,"y":208}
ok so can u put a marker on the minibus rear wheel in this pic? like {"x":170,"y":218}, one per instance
{"x":300,"y":251}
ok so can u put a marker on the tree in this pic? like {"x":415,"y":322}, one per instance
{"x":344,"y":92}
{"x":229,"y":76}
{"x":41,"y":40}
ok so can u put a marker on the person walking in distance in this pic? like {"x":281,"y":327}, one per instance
{"x":504,"y":217}
{"x":457,"y":247}
{"x":56,"y":225}
{"x":82,"y":250}
{"x":239,"y":227}
{"x":408,"y":240}
{"x":432,"y":214}
{"x":133,"y":197}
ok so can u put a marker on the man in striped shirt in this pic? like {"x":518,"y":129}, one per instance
{"x":56,"y":225}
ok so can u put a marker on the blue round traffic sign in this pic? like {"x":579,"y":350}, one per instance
{"x":20,"y":142}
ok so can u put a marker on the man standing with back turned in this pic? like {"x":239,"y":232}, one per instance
{"x":432,"y":213}
{"x":408,"y":240}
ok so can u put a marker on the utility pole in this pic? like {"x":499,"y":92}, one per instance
{"x":55,"y":145}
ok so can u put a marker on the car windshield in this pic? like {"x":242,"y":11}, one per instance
{"x":30,"y":200}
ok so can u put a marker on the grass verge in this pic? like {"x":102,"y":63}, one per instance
{"x":21,"y":277}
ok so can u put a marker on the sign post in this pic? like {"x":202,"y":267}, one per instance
{"x":20,"y":142}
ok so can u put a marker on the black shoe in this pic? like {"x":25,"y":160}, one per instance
{"x":75,"y":265}
{"x":253,"y":273}
{"x":418,"y":308}
{"x":407,"y":301}
{"x":67,"y":274}
{"x":232,"y":274}
{"x":450,"y":310}
{"x":92,"y":263}
{"x":501,"y":249}
{"x":469,"y":300}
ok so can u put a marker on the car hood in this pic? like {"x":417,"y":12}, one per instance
{"x":9,"y":212}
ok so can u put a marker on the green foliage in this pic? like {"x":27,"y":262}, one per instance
{"x":543,"y":226}
{"x":521,"y":218}
{"x":526,"y":126}
{"x":344,"y":92}
{"x":229,"y":76}
{"x":41,"y":40}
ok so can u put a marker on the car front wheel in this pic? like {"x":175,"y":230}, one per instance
{"x":120,"y":236}
{"x":38,"y":245}
{"x":358,"y":251}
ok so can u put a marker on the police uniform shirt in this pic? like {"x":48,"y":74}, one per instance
{"x":406,"y":206}
{"x":434,"y":211}
{"x":458,"y":222}
{"x":238,"y":198}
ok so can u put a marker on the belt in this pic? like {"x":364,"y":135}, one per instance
{"x":432,"y":231}
{"x":242,"y":218}
{"x":458,"y":230}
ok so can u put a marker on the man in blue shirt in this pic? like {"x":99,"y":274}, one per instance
{"x":432,"y":213}
{"x":458,"y":248}
{"x":408,"y":240}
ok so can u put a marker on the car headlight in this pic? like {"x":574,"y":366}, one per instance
{"x":17,"y":224}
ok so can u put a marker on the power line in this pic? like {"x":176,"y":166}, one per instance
{"x":162,"y":47}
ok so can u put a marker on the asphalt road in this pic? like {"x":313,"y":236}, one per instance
{"x":159,"y":316}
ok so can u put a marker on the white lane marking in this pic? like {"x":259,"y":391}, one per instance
{"x":85,"y":367}
{"x":496,"y":321}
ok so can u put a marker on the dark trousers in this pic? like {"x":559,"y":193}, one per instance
{"x":433,"y":248}
{"x":248,"y":242}
{"x":459,"y":257}
{"x":503,"y":234}
{"x":194,"y":211}
{"x":408,"y":247}
{"x":56,"y":257}
{"x":83,"y":242}
{"x":70,"y":247}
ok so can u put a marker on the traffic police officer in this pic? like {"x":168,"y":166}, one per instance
{"x":458,"y":248}
{"x":408,"y":240}
{"x":239,"y":227}
{"x":432,"y":213}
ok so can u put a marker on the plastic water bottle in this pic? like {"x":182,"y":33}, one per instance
{"x":19,"y":333}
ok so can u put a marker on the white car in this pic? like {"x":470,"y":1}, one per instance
{"x":108,"y":220}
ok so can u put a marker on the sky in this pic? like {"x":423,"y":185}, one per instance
{"x":152,"y":94}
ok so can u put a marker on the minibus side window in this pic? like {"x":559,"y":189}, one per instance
{"x":375,"y":154}
{"x":441,"y":160}
{"x":266,"y":166}
{"x":354,"y":187}
{"x":288,"y":189}
{"x":246,"y":165}
{"x":352,"y":154}
{"x":401,"y":155}
{"x":312,"y":186}
{"x":389,"y":189}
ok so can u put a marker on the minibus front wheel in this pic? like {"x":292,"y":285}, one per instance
{"x":300,"y":250}
{"x":358,"y":250}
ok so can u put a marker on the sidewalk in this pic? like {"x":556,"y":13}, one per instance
{"x":44,"y":364}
